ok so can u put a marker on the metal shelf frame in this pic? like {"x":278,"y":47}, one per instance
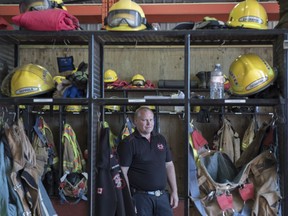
{"x":202,"y":38}
{"x":97,"y":40}
{"x":161,"y":12}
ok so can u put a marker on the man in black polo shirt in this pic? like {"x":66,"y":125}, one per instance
{"x":146,"y":162}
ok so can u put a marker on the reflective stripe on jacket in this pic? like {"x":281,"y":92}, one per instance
{"x":73,"y":160}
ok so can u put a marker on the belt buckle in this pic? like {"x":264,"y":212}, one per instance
{"x":157,"y":193}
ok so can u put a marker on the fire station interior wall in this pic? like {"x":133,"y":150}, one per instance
{"x":168,"y":62}
{"x":155,"y":63}
{"x":46,"y":56}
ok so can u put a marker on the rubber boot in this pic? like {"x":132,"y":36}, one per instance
{"x":283,"y":14}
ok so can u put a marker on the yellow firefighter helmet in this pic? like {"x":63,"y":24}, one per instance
{"x":27,"y":80}
{"x":249,"y":74}
{"x":125,"y":15}
{"x":248,"y":14}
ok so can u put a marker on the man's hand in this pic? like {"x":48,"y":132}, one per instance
{"x":174,"y":199}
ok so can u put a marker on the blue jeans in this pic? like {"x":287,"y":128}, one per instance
{"x":150,"y":205}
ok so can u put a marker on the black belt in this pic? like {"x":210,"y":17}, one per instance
{"x":156,"y":193}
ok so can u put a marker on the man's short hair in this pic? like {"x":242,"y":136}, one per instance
{"x":140,"y":109}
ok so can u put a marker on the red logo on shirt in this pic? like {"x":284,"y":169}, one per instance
{"x":160,"y":146}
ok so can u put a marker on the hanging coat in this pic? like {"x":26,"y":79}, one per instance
{"x":228,"y":141}
{"x":24,"y":175}
{"x":263,"y":137}
{"x":15,"y":207}
{"x":6,"y":206}
{"x":249,"y":134}
{"x":73,"y":183}
{"x":193,"y":182}
{"x":112,"y":194}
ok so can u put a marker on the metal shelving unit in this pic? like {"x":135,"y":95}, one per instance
{"x":10,"y":41}
{"x":95,"y":100}
{"x":203,"y":38}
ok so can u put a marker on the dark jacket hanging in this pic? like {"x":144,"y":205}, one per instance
{"x":112,"y":194}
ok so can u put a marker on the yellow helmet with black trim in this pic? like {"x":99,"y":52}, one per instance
{"x":31,"y":5}
{"x":125,"y":15}
{"x":248,"y":14}
{"x":47,"y":107}
{"x":138,"y":80}
{"x":73,"y":108}
{"x":112,"y":108}
{"x":27,"y":80}
{"x":110,"y":76}
{"x":249,"y":74}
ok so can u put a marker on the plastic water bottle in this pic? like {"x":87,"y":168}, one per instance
{"x":217,"y":83}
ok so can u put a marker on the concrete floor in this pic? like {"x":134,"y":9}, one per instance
{"x":81,"y":209}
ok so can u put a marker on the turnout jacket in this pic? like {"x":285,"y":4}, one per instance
{"x":24,"y":175}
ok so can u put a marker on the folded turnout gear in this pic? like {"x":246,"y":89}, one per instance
{"x":79,"y":78}
{"x":184,"y":26}
{"x":4,"y":25}
{"x":210,"y":23}
{"x":47,"y":20}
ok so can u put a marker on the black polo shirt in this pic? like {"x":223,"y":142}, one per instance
{"x":146,"y":161}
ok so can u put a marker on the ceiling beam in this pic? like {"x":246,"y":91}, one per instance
{"x":168,"y":13}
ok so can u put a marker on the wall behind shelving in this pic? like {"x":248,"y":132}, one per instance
{"x":168,"y":62}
